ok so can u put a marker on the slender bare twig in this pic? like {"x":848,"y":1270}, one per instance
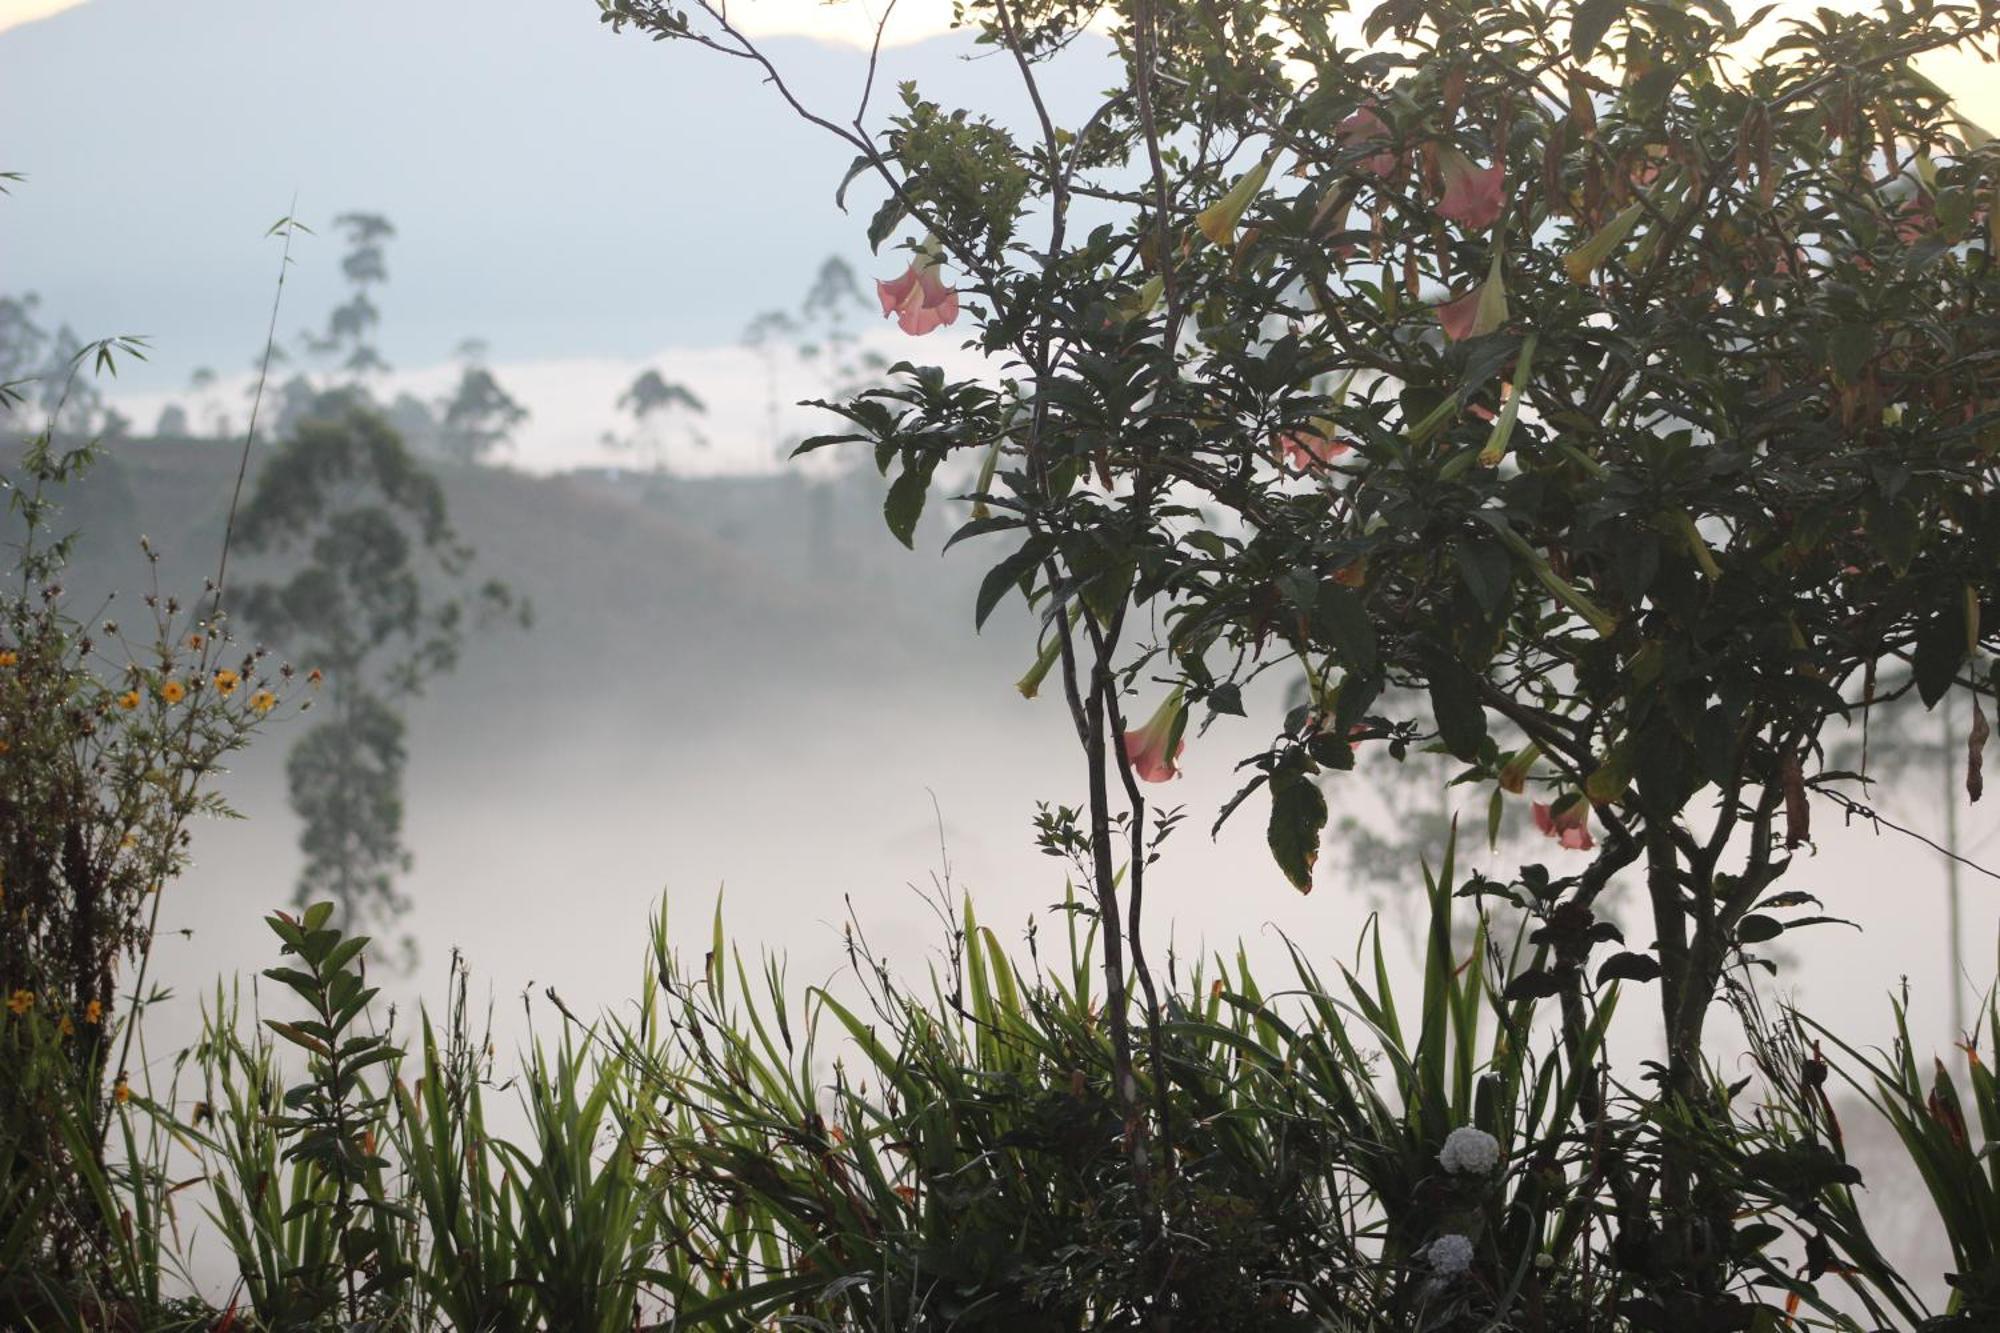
{"x":1857,"y":810}
{"x":874,"y":61}
{"x":287,"y":225}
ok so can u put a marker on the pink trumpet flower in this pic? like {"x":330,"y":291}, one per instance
{"x":1154,"y":750}
{"x":1460,"y":317}
{"x":1480,"y":311}
{"x":1365,"y":127}
{"x":919,"y":300}
{"x":1471,"y":194}
{"x":1916,"y":220}
{"x":1310,"y":450}
{"x":1569,"y":826}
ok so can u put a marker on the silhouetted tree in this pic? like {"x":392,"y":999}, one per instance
{"x":480,"y":417}
{"x":374,"y":606}
{"x":350,"y":329}
{"x":648,"y":400}
{"x":765,"y":335}
{"x":23,"y":343}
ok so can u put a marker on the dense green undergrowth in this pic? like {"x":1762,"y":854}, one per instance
{"x":734,"y":1151}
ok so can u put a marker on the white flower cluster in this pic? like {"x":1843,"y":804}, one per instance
{"x":1449,"y":1256}
{"x":1469,"y":1151}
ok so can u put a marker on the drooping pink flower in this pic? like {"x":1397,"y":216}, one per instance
{"x":1481,"y":310}
{"x":1647,"y":169}
{"x":1154,"y":750}
{"x":1330,"y":220}
{"x":1915,"y":220}
{"x":1569,"y":826}
{"x":1365,"y":127}
{"x":918,"y":299}
{"x":1309,"y":450}
{"x":1471,"y":194}
{"x":1789,"y":259}
{"x":1460,"y":317}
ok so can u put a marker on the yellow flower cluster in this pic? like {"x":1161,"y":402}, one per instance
{"x":21,"y":1001}
{"x":173,"y":692}
{"x":226,"y":682}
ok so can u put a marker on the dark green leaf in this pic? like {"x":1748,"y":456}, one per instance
{"x":1756,"y":928}
{"x":905,"y":504}
{"x":860,"y":164}
{"x":1628,"y":967}
{"x":1001,"y":578}
{"x":1535,"y":984}
{"x":1484,"y":565}
{"x":1593,"y":18}
{"x":1848,"y":349}
{"x":1298,"y":814}
{"x":885,"y":221}
{"x":1939,"y":650}
{"x":1342,"y":621}
{"x":1461,"y":719}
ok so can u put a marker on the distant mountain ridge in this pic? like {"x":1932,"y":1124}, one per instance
{"x":642,"y":587}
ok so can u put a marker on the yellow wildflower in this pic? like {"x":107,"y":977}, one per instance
{"x":65,"y":1028}
{"x":262,"y":702}
{"x":173,"y":692}
{"x":226,"y":682}
{"x":8,"y":657}
{"x":121,"y":1091}
{"x":129,"y":700}
{"x":21,"y":1001}
{"x":93,"y":1011}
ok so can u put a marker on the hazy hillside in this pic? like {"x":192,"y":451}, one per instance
{"x":637,"y":582}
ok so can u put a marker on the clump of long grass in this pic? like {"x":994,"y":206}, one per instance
{"x":735,"y":1152}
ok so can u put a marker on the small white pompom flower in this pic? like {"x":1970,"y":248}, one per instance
{"x":1449,"y":1256}
{"x":1469,"y":1151}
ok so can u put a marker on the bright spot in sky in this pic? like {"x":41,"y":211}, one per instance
{"x":15,"y":12}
